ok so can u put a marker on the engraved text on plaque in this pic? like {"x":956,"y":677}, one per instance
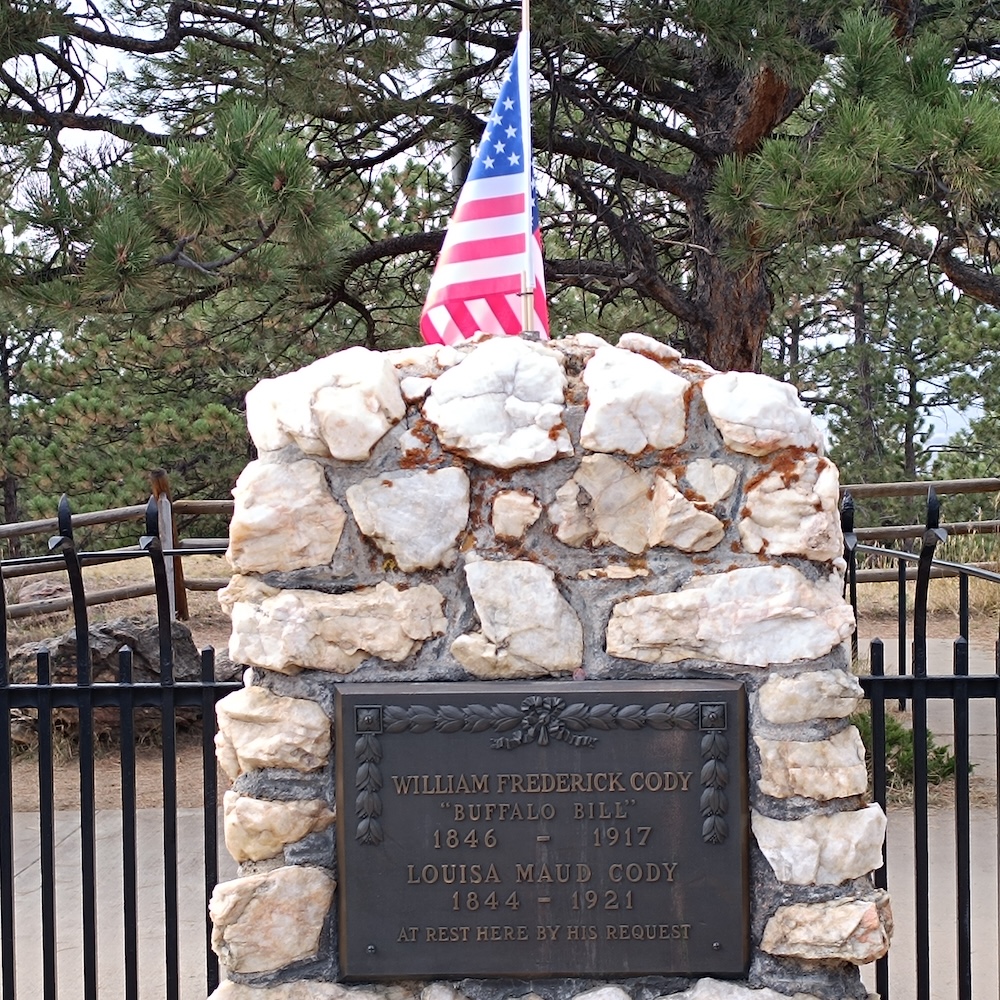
{"x":544,"y":828}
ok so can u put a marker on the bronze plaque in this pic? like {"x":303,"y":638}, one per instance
{"x":542,"y":829}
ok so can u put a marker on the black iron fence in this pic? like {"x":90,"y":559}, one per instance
{"x":43,"y":700}
{"x":917,"y":683}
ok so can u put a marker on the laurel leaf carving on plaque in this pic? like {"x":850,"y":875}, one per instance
{"x":714,"y":775}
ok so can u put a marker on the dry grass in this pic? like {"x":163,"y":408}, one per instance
{"x":982,"y":794}
{"x":880,"y":599}
{"x":109,"y":777}
{"x":207,"y":621}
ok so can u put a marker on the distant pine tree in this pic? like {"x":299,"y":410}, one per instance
{"x":257,"y":186}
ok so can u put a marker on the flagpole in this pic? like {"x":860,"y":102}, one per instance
{"x":527,"y":277}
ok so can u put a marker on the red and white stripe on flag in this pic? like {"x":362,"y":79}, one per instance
{"x":487,"y":251}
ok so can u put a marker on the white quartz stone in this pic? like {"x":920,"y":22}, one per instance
{"x":244,"y":588}
{"x":619,"y":510}
{"x":425,"y":359}
{"x":412,"y":446}
{"x":264,"y":922}
{"x":440,"y":991}
{"x":284,"y":518}
{"x":528,"y":628}
{"x":793,"y":510}
{"x":633,"y":403}
{"x":822,"y":850}
{"x":615,"y":571}
{"x":514,"y":511}
{"x":604,"y":993}
{"x":817,"y":694}
{"x":678,"y":523}
{"x":258,"y":729}
{"x":639,"y":343}
{"x":757,"y":414}
{"x":279,"y":409}
{"x":716,"y":989}
{"x":292,"y":629}
{"x":586,"y":341}
{"x":696,"y":367}
{"x":713,"y":481}
{"x":818,"y":769}
{"x":300,"y":989}
{"x":258,"y":829}
{"x":756,"y":616}
{"x":503,"y":405}
{"x":568,"y":512}
{"x":632,"y":508}
{"x":416,"y":516}
{"x":853,"y":930}
{"x":415,"y":387}
{"x":339,"y":406}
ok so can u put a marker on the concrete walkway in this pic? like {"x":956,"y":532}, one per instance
{"x":943,"y":906}
{"x":985,"y":849}
{"x":191,"y":904}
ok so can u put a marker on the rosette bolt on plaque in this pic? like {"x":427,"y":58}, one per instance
{"x":716,"y":946}
{"x":372,"y":949}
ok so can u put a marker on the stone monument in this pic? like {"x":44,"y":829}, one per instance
{"x":547,"y":690}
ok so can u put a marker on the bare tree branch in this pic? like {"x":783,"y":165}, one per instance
{"x":972,"y":280}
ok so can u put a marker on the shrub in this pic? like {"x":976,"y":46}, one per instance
{"x":899,"y":753}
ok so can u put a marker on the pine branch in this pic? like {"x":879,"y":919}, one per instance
{"x":183,"y":302}
{"x":43,"y":118}
{"x":625,"y":64}
{"x":175,"y":32}
{"x":659,"y":130}
{"x":967,"y":278}
{"x":393,"y":247}
{"x":181,"y":259}
{"x":627,"y":166}
{"x":327,"y":166}
{"x":638,"y":251}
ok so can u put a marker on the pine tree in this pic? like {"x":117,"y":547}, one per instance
{"x":258,"y":185}
{"x":27,"y":347}
{"x":292,"y":160}
{"x":877,"y":358}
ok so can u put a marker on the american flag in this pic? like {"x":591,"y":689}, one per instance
{"x":488,"y":255}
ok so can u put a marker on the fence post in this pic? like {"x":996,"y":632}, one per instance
{"x":8,"y":955}
{"x":150,"y":543}
{"x":921,"y":856}
{"x":168,"y":540}
{"x":851,"y":558}
{"x":63,"y":543}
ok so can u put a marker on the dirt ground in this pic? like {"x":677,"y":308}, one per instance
{"x":983,"y":628}
{"x":210,"y":627}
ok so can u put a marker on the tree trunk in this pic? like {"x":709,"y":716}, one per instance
{"x":734,"y":312}
{"x":910,"y":428}
{"x":733,"y":307}
{"x":11,"y":515}
{"x":869,"y":441}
